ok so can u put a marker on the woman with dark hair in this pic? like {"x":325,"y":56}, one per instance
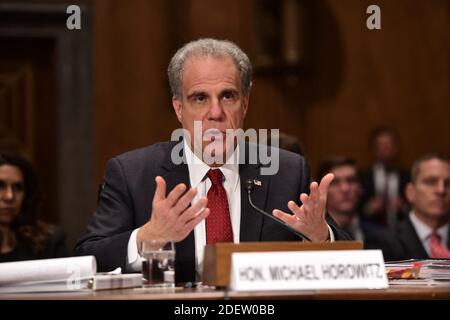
{"x":22,"y":235}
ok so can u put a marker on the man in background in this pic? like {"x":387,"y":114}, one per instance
{"x":383,"y":201}
{"x":424,"y":233}
{"x":344,"y":195}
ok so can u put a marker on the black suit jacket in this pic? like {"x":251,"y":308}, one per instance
{"x":368,"y":183}
{"x":402,"y":244}
{"x":129,"y":185}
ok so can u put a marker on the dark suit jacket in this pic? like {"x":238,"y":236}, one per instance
{"x":368,"y":183}
{"x":126,"y":198}
{"x":402,"y":244}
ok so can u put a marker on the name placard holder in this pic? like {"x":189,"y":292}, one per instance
{"x":308,"y":270}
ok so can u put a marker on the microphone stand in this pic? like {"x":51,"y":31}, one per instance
{"x":250,"y":185}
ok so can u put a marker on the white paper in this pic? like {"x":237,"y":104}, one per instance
{"x":69,"y":270}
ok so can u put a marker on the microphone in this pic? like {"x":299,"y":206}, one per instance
{"x":250,"y":186}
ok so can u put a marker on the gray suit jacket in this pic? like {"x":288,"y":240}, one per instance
{"x":127,"y":193}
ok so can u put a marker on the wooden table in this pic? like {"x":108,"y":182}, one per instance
{"x":394,"y":292}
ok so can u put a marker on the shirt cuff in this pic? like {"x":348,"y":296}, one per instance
{"x":331,"y":234}
{"x":133,"y":258}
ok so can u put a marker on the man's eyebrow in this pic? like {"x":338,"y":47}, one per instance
{"x":227,"y":90}
{"x":14,"y":183}
{"x":196,"y":93}
{"x":430,"y":177}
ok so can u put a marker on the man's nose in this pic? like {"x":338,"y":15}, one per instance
{"x":216,"y":110}
{"x":8,"y":193}
{"x":441,"y":187}
{"x":345,"y":186}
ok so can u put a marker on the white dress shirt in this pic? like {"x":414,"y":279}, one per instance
{"x":197,"y":176}
{"x":387,"y":183}
{"x":424,"y":232}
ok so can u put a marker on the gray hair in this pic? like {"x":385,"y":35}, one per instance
{"x":209,"y":48}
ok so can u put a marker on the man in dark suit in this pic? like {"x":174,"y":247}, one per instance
{"x":344,"y":195}
{"x":210,"y":82}
{"x":383,"y":203}
{"x":425,"y":233}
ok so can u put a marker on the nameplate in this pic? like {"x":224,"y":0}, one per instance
{"x":308,"y":270}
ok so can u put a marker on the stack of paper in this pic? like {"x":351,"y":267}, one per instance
{"x":419,"y":272}
{"x":61,"y":274}
{"x":435,"y":269}
{"x":115,"y":281}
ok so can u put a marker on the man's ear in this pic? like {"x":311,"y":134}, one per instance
{"x":410,"y":193}
{"x":176,"y":103}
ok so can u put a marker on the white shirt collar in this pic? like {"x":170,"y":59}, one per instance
{"x":198,"y":169}
{"x":443,"y":233}
{"x":424,"y":231}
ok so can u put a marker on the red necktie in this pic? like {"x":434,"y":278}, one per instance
{"x":437,"y":249}
{"x":218,"y":223}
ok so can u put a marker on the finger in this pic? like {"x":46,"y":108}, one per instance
{"x":307,"y":204}
{"x":193,"y":211}
{"x":314,"y":198}
{"x":299,"y":213}
{"x":185,"y":201}
{"x":175,"y":194}
{"x":323,"y":191}
{"x":160,"y":192}
{"x":325,"y":184}
{"x":188,"y":227}
{"x":293,"y":207}
{"x":314,"y":194}
{"x":304,"y":198}
{"x":286,"y":217}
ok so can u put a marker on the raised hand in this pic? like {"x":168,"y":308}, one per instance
{"x":172,"y":218}
{"x":309,"y":218}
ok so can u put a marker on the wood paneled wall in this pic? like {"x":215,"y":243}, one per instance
{"x":28,"y":112}
{"x":397,"y":76}
{"x":358,"y":79}
{"x":130,"y":91}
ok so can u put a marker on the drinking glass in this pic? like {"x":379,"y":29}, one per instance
{"x":158,"y":263}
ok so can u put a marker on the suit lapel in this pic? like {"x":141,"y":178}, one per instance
{"x":184,"y":250}
{"x":410,"y":239}
{"x":252,"y":221}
